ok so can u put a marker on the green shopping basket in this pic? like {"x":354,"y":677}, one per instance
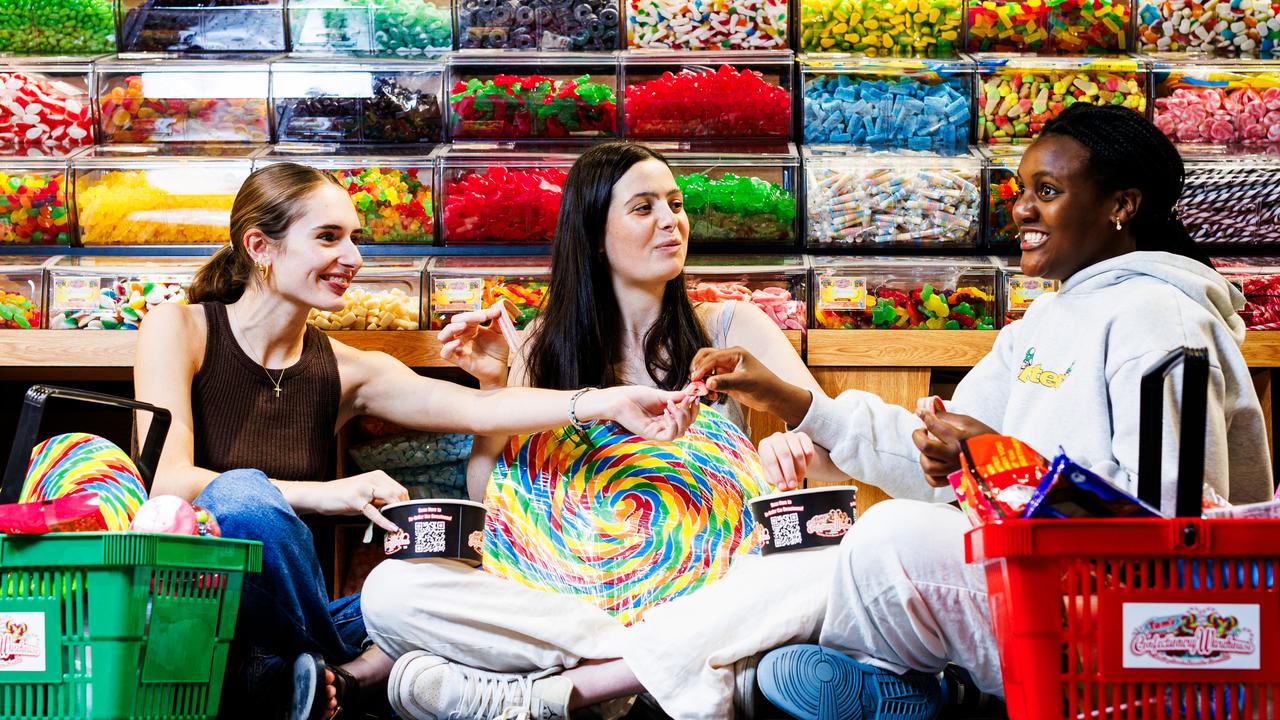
{"x":106,"y":626}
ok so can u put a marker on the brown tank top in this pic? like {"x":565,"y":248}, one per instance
{"x":239,"y":421}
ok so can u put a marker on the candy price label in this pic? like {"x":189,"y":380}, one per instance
{"x":75,"y":293}
{"x":1024,"y":288}
{"x":842,"y":293}
{"x":457,"y":294}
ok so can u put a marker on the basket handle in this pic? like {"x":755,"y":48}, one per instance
{"x":29,"y":424}
{"x":1195,"y":395}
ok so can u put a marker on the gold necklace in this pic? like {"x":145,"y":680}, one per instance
{"x":275,"y":382}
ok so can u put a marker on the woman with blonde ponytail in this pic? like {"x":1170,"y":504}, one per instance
{"x":257,"y":396}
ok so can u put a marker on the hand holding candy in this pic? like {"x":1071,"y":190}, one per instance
{"x":475,"y":342}
{"x":648,"y":412}
{"x":747,"y":380}
{"x":939,"y":442}
{"x":786,"y":457}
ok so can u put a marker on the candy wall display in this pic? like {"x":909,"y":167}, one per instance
{"x":1018,"y":94}
{"x":896,"y":198}
{"x":385,"y":101}
{"x":1223,"y":102}
{"x":544,"y":96}
{"x":737,"y":195}
{"x":1018,"y":291}
{"x":173,"y":100}
{"x":1000,"y":171}
{"x":904,"y":293}
{"x":882,"y":28}
{"x":390,"y":185}
{"x":44,"y":104}
{"x":113,"y":293}
{"x":778,"y":285}
{"x":711,"y":25}
{"x":1259,"y":280}
{"x":21,"y":292}
{"x":158,"y":194}
{"x":57,"y":27}
{"x":1246,"y":28}
{"x":392,"y":28}
{"x":1067,"y":27}
{"x":200,"y":26}
{"x":33,"y":199}
{"x":385,"y":295}
{"x":1231,"y":198}
{"x":710,"y":96}
{"x":552,"y":25}
{"x":892,"y":103}
{"x":497,"y":196}
{"x":460,"y":284}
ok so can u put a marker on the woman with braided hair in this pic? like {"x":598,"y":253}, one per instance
{"x":1096,"y":212}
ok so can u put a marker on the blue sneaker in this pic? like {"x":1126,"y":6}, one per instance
{"x":810,"y":682}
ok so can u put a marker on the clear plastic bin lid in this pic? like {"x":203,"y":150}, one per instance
{"x":36,"y":157}
{"x":349,"y":81}
{"x":738,"y":264}
{"x":1003,"y":156}
{"x":847,"y":155}
{"x":22,"y":264}
{"x":60,"y":64}
{"x":1197,"y":66}
{"x":900,"y":263}
{"x":489,"y":56}
{"x":1229,"y":156}
{"x":714,"y":59}
{"x":491,"y":265}
{"x":691,"y":153}
{"x":860,"y":64}
{"x":388,"y":266}
{"x":510,"y":153}
{"x":351,"y":155}
{"x":116,"y":155}
{"x":1247,"y":265}
{"x":127,"y":264}
{"x":995,"y":62}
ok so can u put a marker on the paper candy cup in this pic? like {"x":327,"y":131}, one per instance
{"x":803,"y":519}
{"x":623,"y":522}
{"x":451,"y":529}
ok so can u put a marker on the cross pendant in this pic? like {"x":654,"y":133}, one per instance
{"x":277,"y":392}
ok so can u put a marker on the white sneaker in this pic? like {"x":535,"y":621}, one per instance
{"x":427,"y":687}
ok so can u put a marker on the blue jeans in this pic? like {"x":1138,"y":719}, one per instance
{"x":284,"y":610}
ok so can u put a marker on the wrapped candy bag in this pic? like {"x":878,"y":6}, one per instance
{"x":998,"y":476}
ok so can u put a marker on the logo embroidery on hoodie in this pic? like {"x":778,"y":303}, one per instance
{"x":1034,"y":373}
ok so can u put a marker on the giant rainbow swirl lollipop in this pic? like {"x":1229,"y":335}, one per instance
{"x":78,"y":462}
{"x":624,"y":523}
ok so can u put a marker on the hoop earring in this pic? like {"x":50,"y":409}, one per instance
{"x":265,"y":270}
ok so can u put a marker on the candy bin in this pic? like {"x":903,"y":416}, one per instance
{"x":44,"y":104}
{"x":491,"y":194}
{"x":391,"y":185}
{"x":1259,"y":280}
{"x":177,"y":100}
{"x":1000,"y":173}
{"x":882,"y":28}
{"x":1018,"y":94}
{"x":385,"y":295}
{"x":382,"y":101}
{"x":901,"y":293}
{"x":900,"y":198}
{"x":459,"y":284}
{"x":778,"y":285}
{"x":681,"y":25}
{"x":21,"y":292}
{"x":200,"y":26}
{"x":33,"y":199}
{"x":551,"y":25}
{"x":1243,"y":28}
{"x":158,"y":194}
{"x":389,"y":28}
{"x":1219,"y":102}
{"x":1231,"y":196}
{"x":1017,"y":290}
{"x":57,"y":27}
{"x":115,"y":292}
{"x":543,"y":96}
{"x":886,"y":102}
{"x":1067,"y":27}
{"x":736,"y":194}
{"x":732,"y":96}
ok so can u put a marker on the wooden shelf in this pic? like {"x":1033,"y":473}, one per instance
{"x":826,"y":348}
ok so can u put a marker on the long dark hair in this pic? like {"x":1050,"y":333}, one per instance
{"x":1127,"y":151}
{"x":270,"y":200}
{"x":578,"y":341}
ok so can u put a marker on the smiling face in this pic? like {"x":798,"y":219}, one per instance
{"x":646,"y":236}
{"x":318,"y":258}
{"x":1066,"y":220}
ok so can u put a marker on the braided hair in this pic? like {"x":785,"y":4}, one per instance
{"x":1127,"y":151}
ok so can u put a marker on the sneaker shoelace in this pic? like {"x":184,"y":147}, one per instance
{"x":490,"y":695}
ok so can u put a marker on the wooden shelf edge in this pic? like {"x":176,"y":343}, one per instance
{"x":419,"y":349}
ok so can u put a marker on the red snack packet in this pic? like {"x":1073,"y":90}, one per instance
{"x":998,"y":476}
{"x":77,"y":512}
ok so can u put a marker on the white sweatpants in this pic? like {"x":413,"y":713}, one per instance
{"x":683,"y":651}
{"x":904,"y":598}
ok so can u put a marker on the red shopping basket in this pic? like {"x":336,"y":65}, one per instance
{"x":1158,"y":618}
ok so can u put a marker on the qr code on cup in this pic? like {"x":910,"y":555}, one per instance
{"x":786,"y":530}
{"x":429,"y":536}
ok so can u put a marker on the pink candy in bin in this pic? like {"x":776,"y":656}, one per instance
{"x":1224,"y":102}
{"x":777,"y":285}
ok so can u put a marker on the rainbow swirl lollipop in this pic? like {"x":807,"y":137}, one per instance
{"x":76,"y":462}
{"x":624,"y":523}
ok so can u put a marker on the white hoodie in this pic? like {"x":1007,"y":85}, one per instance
{"x":1069,"y":373}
